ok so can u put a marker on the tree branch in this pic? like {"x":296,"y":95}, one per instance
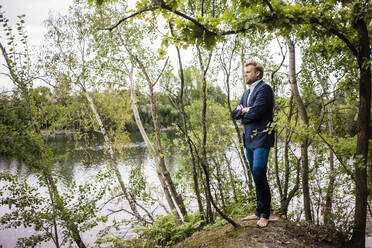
{"x":164,"y":6}
{"x":269,"y":4}
{"x":336,"y":32}
{"x":339,"y":159}
{"x":13,"y":76}
{"x":162,"y":71}
{"x":124,"y":19}
{"x":284,"y":55}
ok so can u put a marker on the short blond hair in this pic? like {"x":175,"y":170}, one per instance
{"x":257,"y":66}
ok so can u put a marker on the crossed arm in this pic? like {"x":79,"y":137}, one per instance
{"x":243,"y":109}
{"x":264,"y":102}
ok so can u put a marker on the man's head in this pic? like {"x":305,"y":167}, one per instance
{"x":253,"y":71}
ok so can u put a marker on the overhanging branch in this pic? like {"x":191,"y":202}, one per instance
{"x":125,"y":18}
{"x":164,"y":6}
{"x":336,"y":32}
{"x":314,"y":20}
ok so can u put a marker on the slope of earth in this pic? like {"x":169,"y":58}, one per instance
{"x":279,"y":233}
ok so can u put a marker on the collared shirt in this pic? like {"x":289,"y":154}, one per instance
{"x":251,"y":88}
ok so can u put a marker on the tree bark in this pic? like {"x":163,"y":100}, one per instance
{"x":232,"y":180}
{"x":327,"y":209}
{"x":305,"y":124}
{"x":219,"y":184}
{"x":187,"y":138}
{"x":204,"y":143}
{"x":113,"y":163}
{"x":148,"y":143}
{"x":287,"y":197}
{"x":242,"y":62}
{"x":363,"y":126}
{"x":159,"y":149}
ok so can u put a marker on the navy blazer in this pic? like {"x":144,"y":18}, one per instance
{"x":257,"y":121}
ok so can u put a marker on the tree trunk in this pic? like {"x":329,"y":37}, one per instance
{"x":65,"y":215}
{"x":232,"y":180}
{"x":305,"y":124}
{"x":113,"y":163}
{"x":287,"y":197}
{"x":276,"y":166}
{"x":172,"y":188}
{"x":219,"y":184}
{"x":361,"y":154}
{"x":185,"y":131}
{"x":55,"y":227}
{"x":159,"y":148}
{"x":288,"y":137}
{"x":242,"y":62}
{"x":185,"y":128}
{"x":149,"y":144}
{"x":327,"y":210}
{"x":204,"y":163}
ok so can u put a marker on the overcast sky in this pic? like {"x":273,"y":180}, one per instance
{"x":36,"y":12}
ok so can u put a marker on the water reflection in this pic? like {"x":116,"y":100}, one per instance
{"x":89,"y":152}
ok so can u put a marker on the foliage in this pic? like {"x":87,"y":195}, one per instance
{"x":166,"y":231}
{"x":82,"y":61}
{"x":27,"y":207}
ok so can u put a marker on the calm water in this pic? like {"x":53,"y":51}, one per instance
{"x":81,"y":162}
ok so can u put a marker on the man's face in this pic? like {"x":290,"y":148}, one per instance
{"x":250,"y":74}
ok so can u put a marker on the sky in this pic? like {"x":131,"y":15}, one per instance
{"x":36,"y":12}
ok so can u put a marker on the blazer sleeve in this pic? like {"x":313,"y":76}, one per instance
{"x":236,"y":113}
{"x":263,"y":103}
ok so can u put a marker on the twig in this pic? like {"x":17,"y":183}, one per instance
{"x":112,"y":198}
{"x":334,"y":152}
{"x":162,"y":71}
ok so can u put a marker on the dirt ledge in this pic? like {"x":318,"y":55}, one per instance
{"x":279,"y":233}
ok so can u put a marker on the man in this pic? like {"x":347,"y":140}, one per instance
{"x":255,"y":109}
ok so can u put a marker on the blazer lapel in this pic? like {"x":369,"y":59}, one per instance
{"x":253,"y":95}
{"x":246,"y":98}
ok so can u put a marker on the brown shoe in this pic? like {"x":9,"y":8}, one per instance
{"x":251,"y":217}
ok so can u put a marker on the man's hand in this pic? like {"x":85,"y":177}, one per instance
{"x":245,"y":110}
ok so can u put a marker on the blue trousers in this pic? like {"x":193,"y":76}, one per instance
{"x":257,"y":159}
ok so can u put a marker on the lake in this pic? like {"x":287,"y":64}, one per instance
{"x":81,"y":162}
